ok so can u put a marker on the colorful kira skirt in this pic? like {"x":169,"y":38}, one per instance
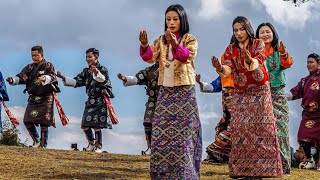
{"x":254,"y":149}
{"x":281,"y":113}
{"x":176,"y":144}
{"x":219,"y":150}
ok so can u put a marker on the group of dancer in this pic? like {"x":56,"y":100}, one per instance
{"x":41,"y":83}
{"x":252,"y":136}
{"x":248,"y":99}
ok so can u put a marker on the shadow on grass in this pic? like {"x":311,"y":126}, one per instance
{"x":104,"y":159}
{"x":82,"y":176}
{"x":214,"y":173}
{"x":109,"y":173}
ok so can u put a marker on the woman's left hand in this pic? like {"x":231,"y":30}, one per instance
{"x":247,"y":55}
{"x":282,"y":48}
{"x":170,"y":37}
{"x":216,"y":64}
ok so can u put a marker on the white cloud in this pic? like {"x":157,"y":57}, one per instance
{"x":17,"y":111}
{"x":72,"y":27}
{"x":287,"y":14}
{"x":213,"y":9}
{"x":314,"y":43}
{"x":208,"y":117}
{"x":116,"y":141}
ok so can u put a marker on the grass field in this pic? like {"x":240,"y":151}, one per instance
{"x":36,"y":163}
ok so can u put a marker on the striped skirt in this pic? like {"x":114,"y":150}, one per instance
{"x":176,"y":145}
{"x":254,"y":149}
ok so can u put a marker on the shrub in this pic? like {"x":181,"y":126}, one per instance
{"x":9,"y":135}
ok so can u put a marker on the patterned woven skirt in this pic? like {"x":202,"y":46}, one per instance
{"x":254,"y":149}
{"x":176,"y":145}
{"x":281,"y":113}
{"x":219,"y":150}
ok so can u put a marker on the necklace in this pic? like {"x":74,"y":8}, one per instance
{"x":169,"y":48}
{"x":167,"y":65}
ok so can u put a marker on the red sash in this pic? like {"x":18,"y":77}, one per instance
{"x":112,"y":114}
{"x":61,"y":113}
{"x":13,"y":120}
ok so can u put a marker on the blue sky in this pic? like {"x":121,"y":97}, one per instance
{"x":67,"y":28}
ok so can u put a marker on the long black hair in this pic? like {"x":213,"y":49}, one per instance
{"x":246,"y":25}
{"x":184,"y":23}
{"x":275,"y":39}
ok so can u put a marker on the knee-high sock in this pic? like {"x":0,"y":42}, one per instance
{"x":44,"y":135}
{"x":147,"y":130}
{"x":0,"y":118}
{"x":307,"y":149}
{"x":98,"y":135}
{"x":88,"y":133}
{"x":148,"y":138}
{"x":32,"y":131}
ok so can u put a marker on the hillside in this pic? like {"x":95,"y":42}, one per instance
{"x":35,"y":163}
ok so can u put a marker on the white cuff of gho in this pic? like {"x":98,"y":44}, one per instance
{"x":131,"y":80}
{"x":99,"y":77}
{"x":208,"y":88}
{"x":69,"y":82}
{"x":48,"y":79}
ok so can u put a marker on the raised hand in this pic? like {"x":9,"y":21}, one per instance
{"x":94,"y":69}
{"x":104,"y":92}
{"x":198,"y":78}
{"x":171,"y":38}
{"x":10,"y":80}
{"x":143,"y":38}
{"x":42,"y":79}
{"x":216,"y":64}
{"x":59,"y":75}
{"x":122,"y":77}
{"x":247,"y":55}
{"x":282,"y":48}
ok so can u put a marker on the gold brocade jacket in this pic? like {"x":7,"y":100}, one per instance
{"x":184,"y":72}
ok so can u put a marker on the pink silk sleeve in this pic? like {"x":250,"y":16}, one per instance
{"x":181,"y":54}
{"x":146,"y":55}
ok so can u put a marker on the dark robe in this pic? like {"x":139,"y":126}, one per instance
{"x":40,"y":102}
{"x":95,"y":113}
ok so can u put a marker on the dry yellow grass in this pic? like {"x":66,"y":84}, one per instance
{"x":36,"y":163}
